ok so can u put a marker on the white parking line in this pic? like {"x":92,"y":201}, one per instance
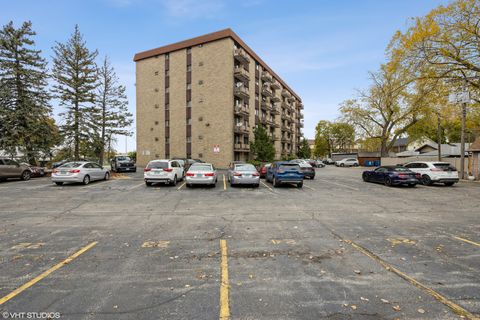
{"x":263,"y":183}
{"x":309,"y":188}
{"x":340,"y":185}
{"x":138,"y":185}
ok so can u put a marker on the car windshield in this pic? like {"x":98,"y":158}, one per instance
{"x":123,"y":158}
{"x":71,"y":165}
{"x":289,"y":166}
{"x":201,"y":167}
{"x":444,"y":166}
{"x":245,"y":167}
{"x":157,"y":165}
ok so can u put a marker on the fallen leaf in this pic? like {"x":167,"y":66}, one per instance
{"x":357,"y":271}
{"x":397,"y":308}
{"x":421,"y":311}
{"x":384,"y":300}
{"x":364,"y":299}
{"x":354,"y":307}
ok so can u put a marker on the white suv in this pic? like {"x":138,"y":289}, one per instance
{"x":347,"y":162}
{"x":165,"y":171}
{"x":442,"y":172}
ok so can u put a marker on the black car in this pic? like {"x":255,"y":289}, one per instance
{"x":123,"y":163}
{"x":392,"y":176}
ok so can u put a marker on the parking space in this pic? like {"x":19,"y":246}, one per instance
{"x":328,"y":250}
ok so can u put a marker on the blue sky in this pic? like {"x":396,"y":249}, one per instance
{"x":322,"y":49}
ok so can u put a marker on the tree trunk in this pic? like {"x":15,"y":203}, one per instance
{"x":384,"y":148}
{"x":76,"y":153}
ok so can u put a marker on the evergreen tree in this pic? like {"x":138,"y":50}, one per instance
{"x":304,"y":152}
{"x":76,"y":76}
{"x":112,"y":116}
{"x":25,"y":113}
{"x":262,"y":146}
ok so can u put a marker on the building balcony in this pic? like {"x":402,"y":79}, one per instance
{"x":271,"y":122}
{"x":241,"y":92}
{"x":285,"y":117}
{"x":241,"y":109}
{"x":266,"y":91}
{"x":300,"y":124}
{"x":266,"y":76}
{"x":265,"y":104}
{"x":300,"y":106}
{"x":275,"y":84}
{"x":275,"y":99}
{"x":286,"y":94}
{"x":292,"y":99}
{"x":241,"y":147}
{"x":300,"y":115}
{"x":286,"y":105}
{"x":241,"y":73}
{"x":274,"y":110}
{"x":240,"y":129}
{"x":241,"y":55}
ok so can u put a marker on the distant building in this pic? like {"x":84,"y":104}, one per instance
{"x":474,"y":151}
{"x":430,"y":149}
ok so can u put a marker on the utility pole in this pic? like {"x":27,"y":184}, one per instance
{"x":462,"y":140}
{"x":439,"y":137}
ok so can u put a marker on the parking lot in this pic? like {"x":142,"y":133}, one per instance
{"x":338,"y":248}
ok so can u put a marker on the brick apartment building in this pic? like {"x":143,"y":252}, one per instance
{"x":202,"y":98}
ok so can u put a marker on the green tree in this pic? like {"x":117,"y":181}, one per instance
{"x":304,"y":151}
{"x":262,"y":146}
{"x":25,"y":112}
{"x":111,"y":111}
{"x":342,"y":136}
{"x":322,"y":146}
{"x":75,"y":73}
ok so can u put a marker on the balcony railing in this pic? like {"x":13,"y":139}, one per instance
{"x":240,"y":129}
{"x":265,"y":104}
{"x":266,"y":91}
{"x":241,"y":73}
{"x":241,"y":109}
{"x":241,"y":147}
{"x":275,"y":84}
{"x":266,"y":76}
{"x":275,"y":99}
{"x":286,"y":94}
{"x":300,"y":106}
{"x":275,"y":110}
{"x":241,"y":55}
{"x":241,"y":92}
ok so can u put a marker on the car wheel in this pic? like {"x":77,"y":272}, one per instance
{"x":26,"y":175}
{"x":274,"y":182}
{"x":342,"y":165}
{"x":312,"y":178}
{"x":174,"y":182}
{"x":449,"y":184}
{"x":355,"y":164}
{"x":426,"y":180}
{"x":107,"y":176}
{"x":86,"y":179}
{"x":300,"y":185}
{"x":148,"y":183}
{"x":388,"y":181}
{"x":365,"y":177}
{"x":59,"y":183}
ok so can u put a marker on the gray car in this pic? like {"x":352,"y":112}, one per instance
{"x":243,"y":173}
{"x":201,"y":173}
{"x":79,"y":172}
{"x":12,"y":169}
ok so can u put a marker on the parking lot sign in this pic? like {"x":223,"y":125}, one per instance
{"x":216,"y":148}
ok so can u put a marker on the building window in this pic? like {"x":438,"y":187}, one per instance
{"x":167,"y":106}
{"x":189,"y":121}
{"x":167,"y":73}
{"x":189,"y":86}
{"x":189,"y":104}
{"x":167,"y":140}
{"x":189,"y":139}
{"x":189,"y":68}
{"x":256,"y":96}
{"x":167,"y":123}
{"x":167,"y":90}
{"x":167,"y":56}
{"x":189,"y":50}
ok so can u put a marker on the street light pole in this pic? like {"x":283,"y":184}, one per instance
{"x":462,"y":141}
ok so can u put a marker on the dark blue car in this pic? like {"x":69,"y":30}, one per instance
{"x":284,"y":172}
{"x":392,"y":176}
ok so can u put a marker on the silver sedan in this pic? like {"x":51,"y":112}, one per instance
{"x":79,"y":172}
{"x":201,"y":173}
{"x":243,"y":173}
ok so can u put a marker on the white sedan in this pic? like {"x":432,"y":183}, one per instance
{"x":79,"y":172}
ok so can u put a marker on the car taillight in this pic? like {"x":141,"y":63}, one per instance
{"x":210,"y":174}
{"x":402,"y":175}
{"x":147,"y":169}
{"x":237,"y":174}
{"x":74,"y":171}
{"x":256,"y":174}
{"x":189,"y":174}
{"x":168,"y":170}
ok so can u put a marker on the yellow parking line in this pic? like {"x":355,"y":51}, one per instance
{"x":266,"y":186}
{"x":468,"y":241}
{"x":224,"y":183}
{"x":452,"y":305}
{"x":182,"y":185}
{"x":224,"y":287}
{"x":46,"y":273}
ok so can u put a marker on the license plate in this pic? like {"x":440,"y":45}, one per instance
{"x":291,"y":174}
{"x":158,"y":172}
{"x":63,"y":172}
{"x":199,"y":175}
